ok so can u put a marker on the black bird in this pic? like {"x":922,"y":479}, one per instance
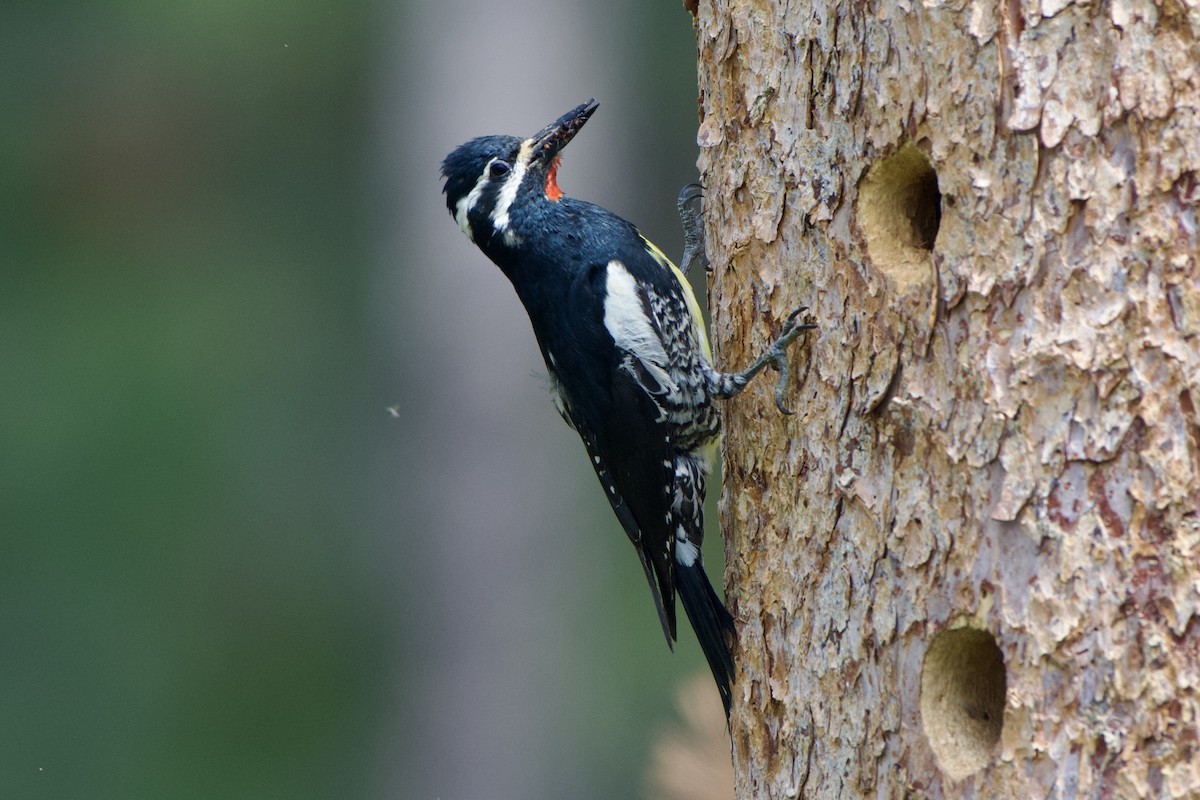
{"x":626,"y":350}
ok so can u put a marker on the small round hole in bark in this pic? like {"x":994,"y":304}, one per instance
{"x":962,"y":700}
{"x":899,"y":210}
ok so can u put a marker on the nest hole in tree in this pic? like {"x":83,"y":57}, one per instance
{"x":899,"y":210}
{"x":963,"y":685}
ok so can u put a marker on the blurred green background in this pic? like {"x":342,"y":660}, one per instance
{"x":226,"y":569}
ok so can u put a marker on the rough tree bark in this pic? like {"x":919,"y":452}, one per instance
{"x":969,"y":565}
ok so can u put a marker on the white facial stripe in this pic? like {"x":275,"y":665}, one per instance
{"x":626,"y":320}
{"x":508,"y":189}
{"x":463,"y":208}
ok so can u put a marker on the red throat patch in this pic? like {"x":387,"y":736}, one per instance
{"x":553,"y":193}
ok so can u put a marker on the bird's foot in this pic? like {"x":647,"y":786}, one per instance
{"x":775,"y":356}
{"x":691,"y":206}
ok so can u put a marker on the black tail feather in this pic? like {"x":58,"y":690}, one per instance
{"x":666,"y":614}
{"x":712,"y":623}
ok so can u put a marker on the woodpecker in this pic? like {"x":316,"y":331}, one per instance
{"x":627,"y":354}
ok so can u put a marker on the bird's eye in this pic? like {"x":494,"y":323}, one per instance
{"x":498,"y":169}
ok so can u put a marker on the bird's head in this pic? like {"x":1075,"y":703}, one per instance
{"x":493,"y":180}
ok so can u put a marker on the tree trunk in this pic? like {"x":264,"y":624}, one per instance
{"x":968,"y":565}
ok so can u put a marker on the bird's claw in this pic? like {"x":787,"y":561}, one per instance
{"x":688,"y":194}
{"x":781,"y":387}
{"x":693,"y":227}
{"x":777,"y":356}
{"x":792,"y":326}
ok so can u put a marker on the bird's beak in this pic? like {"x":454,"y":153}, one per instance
{"x":554,"y":137}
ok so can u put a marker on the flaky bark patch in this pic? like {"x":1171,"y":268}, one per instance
{"x":997,"y":424}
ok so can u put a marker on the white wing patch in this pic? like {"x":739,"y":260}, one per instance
{"x":628,"y":322}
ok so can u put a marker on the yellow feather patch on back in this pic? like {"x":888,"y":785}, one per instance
{"x":688,"y":295}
